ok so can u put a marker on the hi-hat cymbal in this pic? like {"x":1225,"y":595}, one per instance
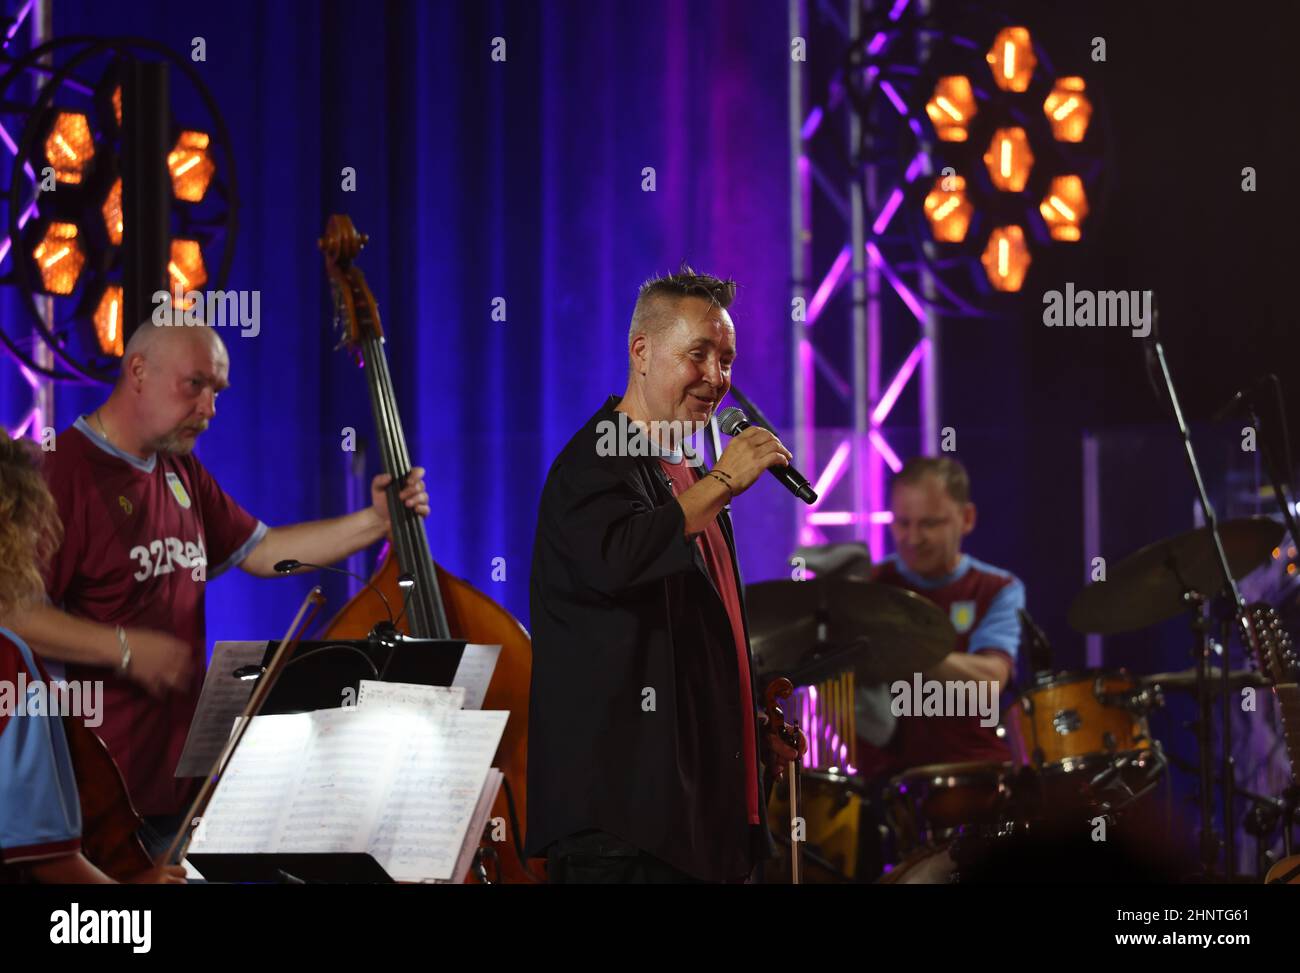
{"x":810,"y":630}
{"x":1147,"y":587}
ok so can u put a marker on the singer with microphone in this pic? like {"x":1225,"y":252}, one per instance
{"x":647,"y":743}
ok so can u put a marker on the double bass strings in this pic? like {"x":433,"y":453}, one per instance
{"x":428,"y":615}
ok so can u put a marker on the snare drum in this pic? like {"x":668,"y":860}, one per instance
{"x":927,"y":805}
{"x":1083,"y":720}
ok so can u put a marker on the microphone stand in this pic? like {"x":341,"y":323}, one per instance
{"x":1229,"y":604}
{"x":754,"y":413}
{"x":751,"y":410}
{"x":385,"y":634}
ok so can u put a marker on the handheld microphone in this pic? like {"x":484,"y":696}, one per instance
{"x":733,"y":422}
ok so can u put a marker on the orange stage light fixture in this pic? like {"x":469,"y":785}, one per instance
{"x":1064,"y":208}
{"x":1009,"y":159}
{"x":186,"y":268}
{"x":112,"y":212}
{"x":1011,"y":59}
{"x":69,"y":147}
{"x":1068,"y":110}
{"x":951,"y":107}
{"x":108,"y":321}
{"x":59,"y":258}
{"x":948,"y":210}
{"x":1006,"y":258}
{"x":191,"y":166}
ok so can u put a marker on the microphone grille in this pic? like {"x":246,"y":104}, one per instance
{"x":729,"y":418}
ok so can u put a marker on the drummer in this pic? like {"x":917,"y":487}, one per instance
{"x":932,"y":512}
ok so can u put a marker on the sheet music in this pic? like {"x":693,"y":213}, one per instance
{"x":401,"y":784}
{"x":477,"y":823}
{"x":222,"y":700}
{"x":341,"y":786}
{"x":442,"y":767}
{"x":245,"y":812}
{"x":409,"y":694}
{"x":474,"y":673}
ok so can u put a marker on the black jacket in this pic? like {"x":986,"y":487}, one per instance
{"x":622,"y":603}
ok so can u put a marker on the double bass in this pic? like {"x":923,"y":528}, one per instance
{"x":440,"y":605}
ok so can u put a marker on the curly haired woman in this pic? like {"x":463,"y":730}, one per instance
{"x":40,"y":810}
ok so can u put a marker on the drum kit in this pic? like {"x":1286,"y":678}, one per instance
{"x":1081,"y":744}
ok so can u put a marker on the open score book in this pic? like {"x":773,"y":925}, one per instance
{"x":402,"y":775}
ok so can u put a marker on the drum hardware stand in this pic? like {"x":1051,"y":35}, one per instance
{"x":1229,"y":771}
{"x":1276,"y":467}
{"x":1262,"y":820}
{"x":1264,"y":816}
{"x":1036,"y":755}
{"x":825,"y":660}
{"x":1139,"y":703}
{"x":1232,"y":607}
{"x":1273,"y":808}
{"x":1207,"y":647}
{"x":1110,"y":779}
{"x":1291,"y":797}
{"x":1204,"y":729}
{"x":1282,"y":496}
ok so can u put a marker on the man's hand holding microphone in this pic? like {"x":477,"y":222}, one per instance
{"x":751,"y":451}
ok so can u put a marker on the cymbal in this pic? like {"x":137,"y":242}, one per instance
{"x":814,"y":629}
{"x":1147,"y":586}
{"x":1185,"y":679}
